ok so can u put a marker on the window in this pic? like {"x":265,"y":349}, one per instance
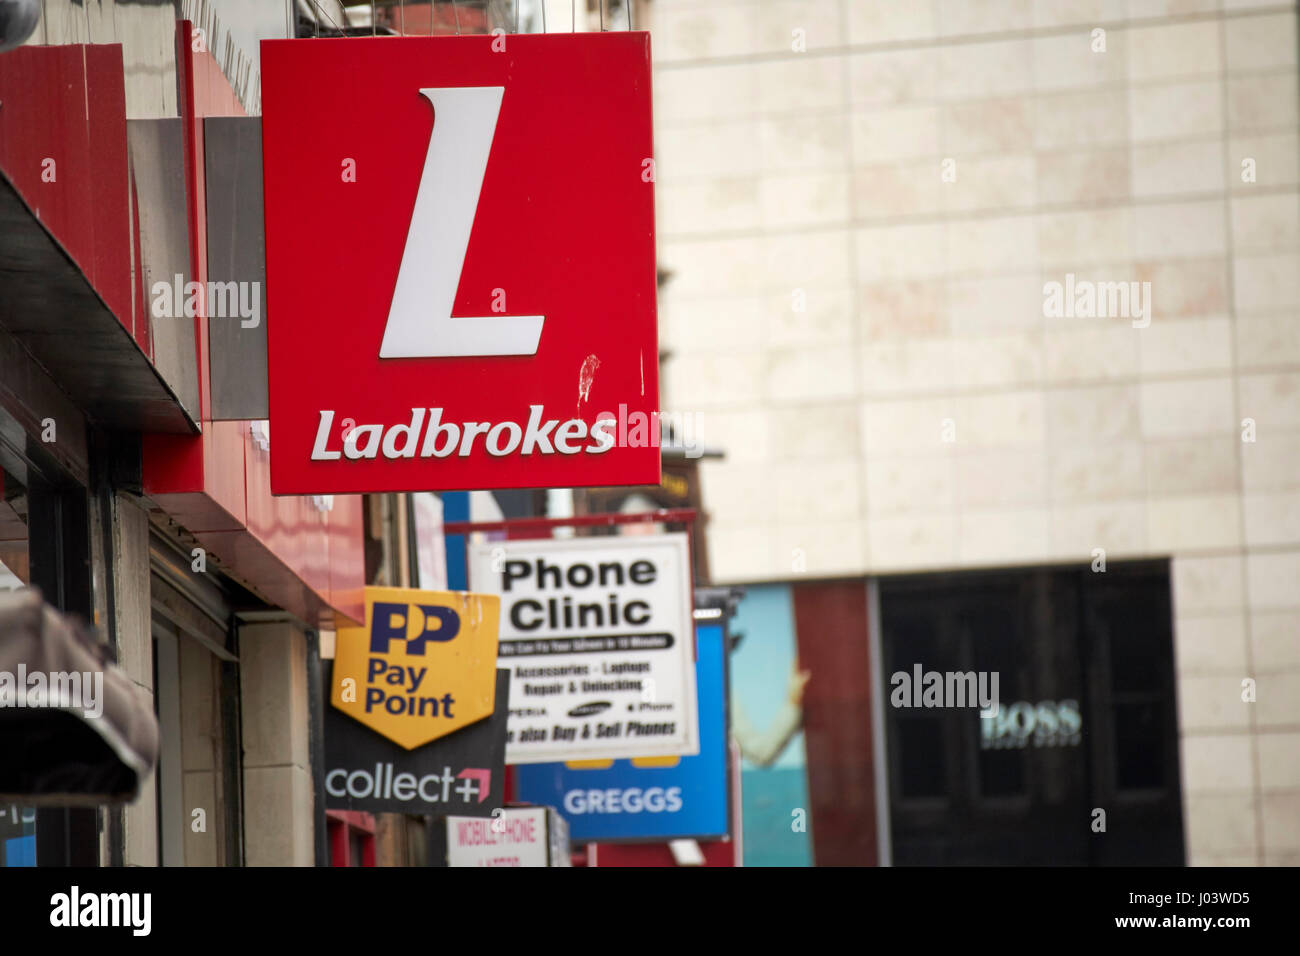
{"x":17,"y":823}
{"x":196,"y":700}
{"x":1086,"y":717}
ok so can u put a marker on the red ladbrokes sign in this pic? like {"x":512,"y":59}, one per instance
{"x":460,"y":262}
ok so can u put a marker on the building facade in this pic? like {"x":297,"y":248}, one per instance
{"x":130,"y":497}
{"x":133,"y":441}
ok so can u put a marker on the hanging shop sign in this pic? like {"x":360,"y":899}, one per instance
{"x":655,"y":798}
{"x":462,"y":772}
{"x":513,"y":836}
{"x":422,"y":666}
{"x":597,"y":635}
{"x":460,"y":262}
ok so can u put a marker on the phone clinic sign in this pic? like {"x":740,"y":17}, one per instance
{"x":460,"y":262}
{"x":597,"y":634}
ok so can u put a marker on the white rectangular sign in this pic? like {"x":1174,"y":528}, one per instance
{"x":514,"y":836}
{"x":599,"y":638}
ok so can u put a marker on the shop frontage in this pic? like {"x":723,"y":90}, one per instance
{"x":129,"y":498}
{"x":1012,"y":716}
{"x":196,"y":691}
{"x":1076,"y":760}
{"x":50,"y":540}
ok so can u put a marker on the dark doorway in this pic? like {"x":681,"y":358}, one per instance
{"x":1087,"y":718}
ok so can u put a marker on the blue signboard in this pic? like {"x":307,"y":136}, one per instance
{"x":655,"y":798}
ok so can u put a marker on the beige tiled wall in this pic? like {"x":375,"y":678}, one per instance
{"x":869,"y":344}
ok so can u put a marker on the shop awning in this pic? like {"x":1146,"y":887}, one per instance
{"x":74,"y":729}
{"x":71,"y":283}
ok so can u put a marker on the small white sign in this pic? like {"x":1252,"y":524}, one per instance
{"x":599,"y":639}
{"x":510,"y":837}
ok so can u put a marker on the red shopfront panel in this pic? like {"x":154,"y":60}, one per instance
{"x":352,"y":838}
{"x":831,"y":628}
{"x":716,"y":853}
{"x":63,"y":148}
{"x":301,"y":553}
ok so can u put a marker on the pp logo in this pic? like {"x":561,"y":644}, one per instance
{"x":423,"y":665}
{"x":389,"y":622}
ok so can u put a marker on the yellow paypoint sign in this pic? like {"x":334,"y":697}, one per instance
{"x":423,"y":665}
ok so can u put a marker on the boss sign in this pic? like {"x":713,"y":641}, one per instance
{"x":460,"y":262}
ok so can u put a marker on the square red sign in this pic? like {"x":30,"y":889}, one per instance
{"x":460,"y":262}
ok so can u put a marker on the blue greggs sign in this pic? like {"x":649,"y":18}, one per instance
{"x":653,"y":798}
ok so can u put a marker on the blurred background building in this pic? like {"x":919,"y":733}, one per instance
{"x":861,"y":202}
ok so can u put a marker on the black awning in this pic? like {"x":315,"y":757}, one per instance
{"x":49,"y":306}
{"x":74,"y":729}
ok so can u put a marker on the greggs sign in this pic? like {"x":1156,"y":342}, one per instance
{"x":460,"y":261}
{"x":423,"y":665}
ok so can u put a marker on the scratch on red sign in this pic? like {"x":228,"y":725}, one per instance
{"x":586,"y":375}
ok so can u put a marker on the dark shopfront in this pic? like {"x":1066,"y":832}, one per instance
{"x":55,"y":490}
{"x":1087,"y":723}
